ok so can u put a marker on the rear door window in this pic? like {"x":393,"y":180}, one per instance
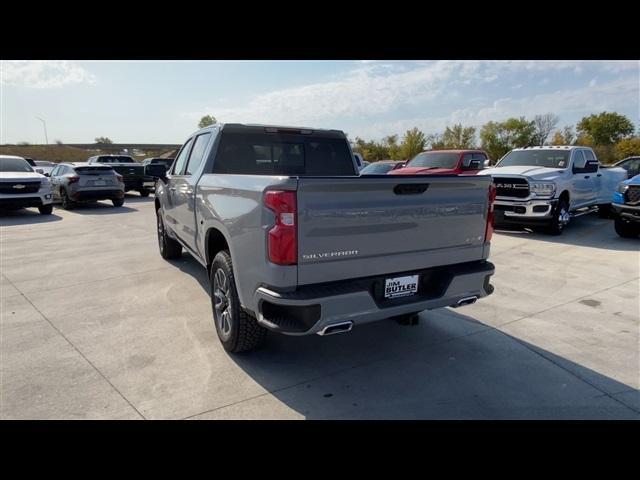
{"x":197,"y":153}
{"x":181,"y":160}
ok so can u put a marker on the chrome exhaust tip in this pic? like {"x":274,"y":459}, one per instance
{"x":336,"y":328}
{"x":465,"y":301}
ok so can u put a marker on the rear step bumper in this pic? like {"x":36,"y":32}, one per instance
{"x":338,"y":306}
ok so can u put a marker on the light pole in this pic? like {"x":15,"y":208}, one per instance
{"x":44,"y":124}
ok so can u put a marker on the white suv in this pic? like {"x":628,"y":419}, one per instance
{"x":22,"y":187}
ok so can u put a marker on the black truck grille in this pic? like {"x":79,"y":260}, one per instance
{"x":511,"y":187}
{"x":15,"y":188}
{"x":632,"y":196}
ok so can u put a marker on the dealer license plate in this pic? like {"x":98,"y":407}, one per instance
{"x":400,"y":286}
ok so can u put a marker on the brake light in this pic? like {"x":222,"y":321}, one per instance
{"x":118,"y":177}
{"x":73,"y":178}
{"x":492,"y":198}
{"x":282,"y":239}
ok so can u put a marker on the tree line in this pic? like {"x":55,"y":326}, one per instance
{"x":610,"y":134}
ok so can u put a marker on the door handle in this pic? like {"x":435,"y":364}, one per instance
{"x":599,"y":175}
{"x":586,"y":176}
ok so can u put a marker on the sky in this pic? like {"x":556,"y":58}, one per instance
{"x":163,"y":101}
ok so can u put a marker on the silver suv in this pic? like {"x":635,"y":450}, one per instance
{"x":81,"y":182}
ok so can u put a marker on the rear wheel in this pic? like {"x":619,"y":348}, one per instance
{"x":144,"y":193}
{"x":560,"y":218}
{"x":604,"y":210}
{"x":46,"y":209}
{"x":117,"y":202}
{"x":626,"y":229}
{"x":169,"y":248}
{"x":67,"y":203}
{"x":237,"y":330}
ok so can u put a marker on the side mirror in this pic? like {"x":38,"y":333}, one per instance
{"x":487,"y":163}
{"x":156,"y":170}
{"x":48,"y":174}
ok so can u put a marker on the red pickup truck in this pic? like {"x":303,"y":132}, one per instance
{"x":438,"y":162}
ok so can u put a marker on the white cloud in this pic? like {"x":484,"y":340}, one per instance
{"x":43,"y":74}
{"x":370,"y":90}
{"x":614,"y":95}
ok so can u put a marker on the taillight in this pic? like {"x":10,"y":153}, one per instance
{"x":118,"y":177}
{"x":282,"y":241}
{"x":73,"y":178}
{"x":492,"y":198}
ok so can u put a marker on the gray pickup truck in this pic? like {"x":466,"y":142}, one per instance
{"x":295,"y":242}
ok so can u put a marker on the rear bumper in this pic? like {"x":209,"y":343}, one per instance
{"x":312,"y":308}
{"x":139,"y":183}
{"x":87,"y":195}
{"x":627,"y":212}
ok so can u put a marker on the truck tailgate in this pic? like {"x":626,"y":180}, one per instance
{"x":356,"y":227}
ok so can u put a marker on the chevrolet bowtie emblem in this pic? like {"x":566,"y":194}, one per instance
{"x":18,"y":186}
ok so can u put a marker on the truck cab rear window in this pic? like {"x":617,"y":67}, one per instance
{"x":273,"y":154}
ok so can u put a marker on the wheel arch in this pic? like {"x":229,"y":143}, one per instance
{"x":215,"y":241}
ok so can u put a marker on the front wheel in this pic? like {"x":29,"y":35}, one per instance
{"x":117,"y":202}
{"x":560,"y":218}
{"x":145,"y":193}
{"x":626,"y":229}
{"x":46,"y":209}
{"x":237,"y":330}
{"x":169,"y":248}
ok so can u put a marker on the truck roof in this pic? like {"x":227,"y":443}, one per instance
{"x":553,"y":147}
{"x":263,"y":128}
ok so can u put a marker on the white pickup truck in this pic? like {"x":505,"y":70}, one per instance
{"x":547,"y":186}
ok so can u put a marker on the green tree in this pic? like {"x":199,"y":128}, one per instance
{"x":207,"y":121}
{"x":104,"y":140}
{"x":435,"y":142}
{"x":392,"y":146}
{"x":627,"y":147}
{"x":543,"y":126}
{"x":458,"y":136}
{"x":606,"y":128}
{"x":371,"y":151}
{"x":498,"y":138}
{"x":413,"y":142}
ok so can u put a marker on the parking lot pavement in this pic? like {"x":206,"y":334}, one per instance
{"x":96,"y":325}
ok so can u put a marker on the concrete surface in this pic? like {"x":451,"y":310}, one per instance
{"x":94,"y":324}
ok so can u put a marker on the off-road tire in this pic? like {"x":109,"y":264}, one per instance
{"x":46,"y":209}
{"x":245,"y":333}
